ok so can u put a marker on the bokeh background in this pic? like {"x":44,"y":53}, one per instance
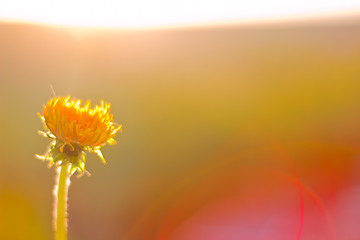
{"x":229,"y":132}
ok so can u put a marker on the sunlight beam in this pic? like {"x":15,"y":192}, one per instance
{"x":142,"y":13}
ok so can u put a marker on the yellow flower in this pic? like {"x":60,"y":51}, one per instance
{"x":76,"y":128}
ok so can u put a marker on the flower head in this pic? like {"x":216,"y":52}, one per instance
{"x":76,"y":128}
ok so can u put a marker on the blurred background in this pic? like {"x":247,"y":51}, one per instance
{"x":230,"y":131}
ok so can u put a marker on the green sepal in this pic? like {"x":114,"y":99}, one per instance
{"x":59,"y":152}
{"x":59,"y":157}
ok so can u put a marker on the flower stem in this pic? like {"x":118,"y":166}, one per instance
{"x":61,"y":198}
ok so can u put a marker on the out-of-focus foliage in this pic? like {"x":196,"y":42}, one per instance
{"x":228,"y":132}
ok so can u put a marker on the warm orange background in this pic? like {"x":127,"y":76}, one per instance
{"x":238,"y":132}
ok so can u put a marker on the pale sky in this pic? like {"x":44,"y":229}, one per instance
{"x":158,"y":13}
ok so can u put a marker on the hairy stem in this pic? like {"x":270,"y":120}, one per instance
{"x":61,"y":197}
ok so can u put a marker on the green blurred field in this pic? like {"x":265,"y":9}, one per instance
{"x":189,"y":100}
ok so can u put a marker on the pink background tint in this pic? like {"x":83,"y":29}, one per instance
{"x":267,"y":202}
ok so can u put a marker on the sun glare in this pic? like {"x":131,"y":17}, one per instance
{"x":143,"y":13}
